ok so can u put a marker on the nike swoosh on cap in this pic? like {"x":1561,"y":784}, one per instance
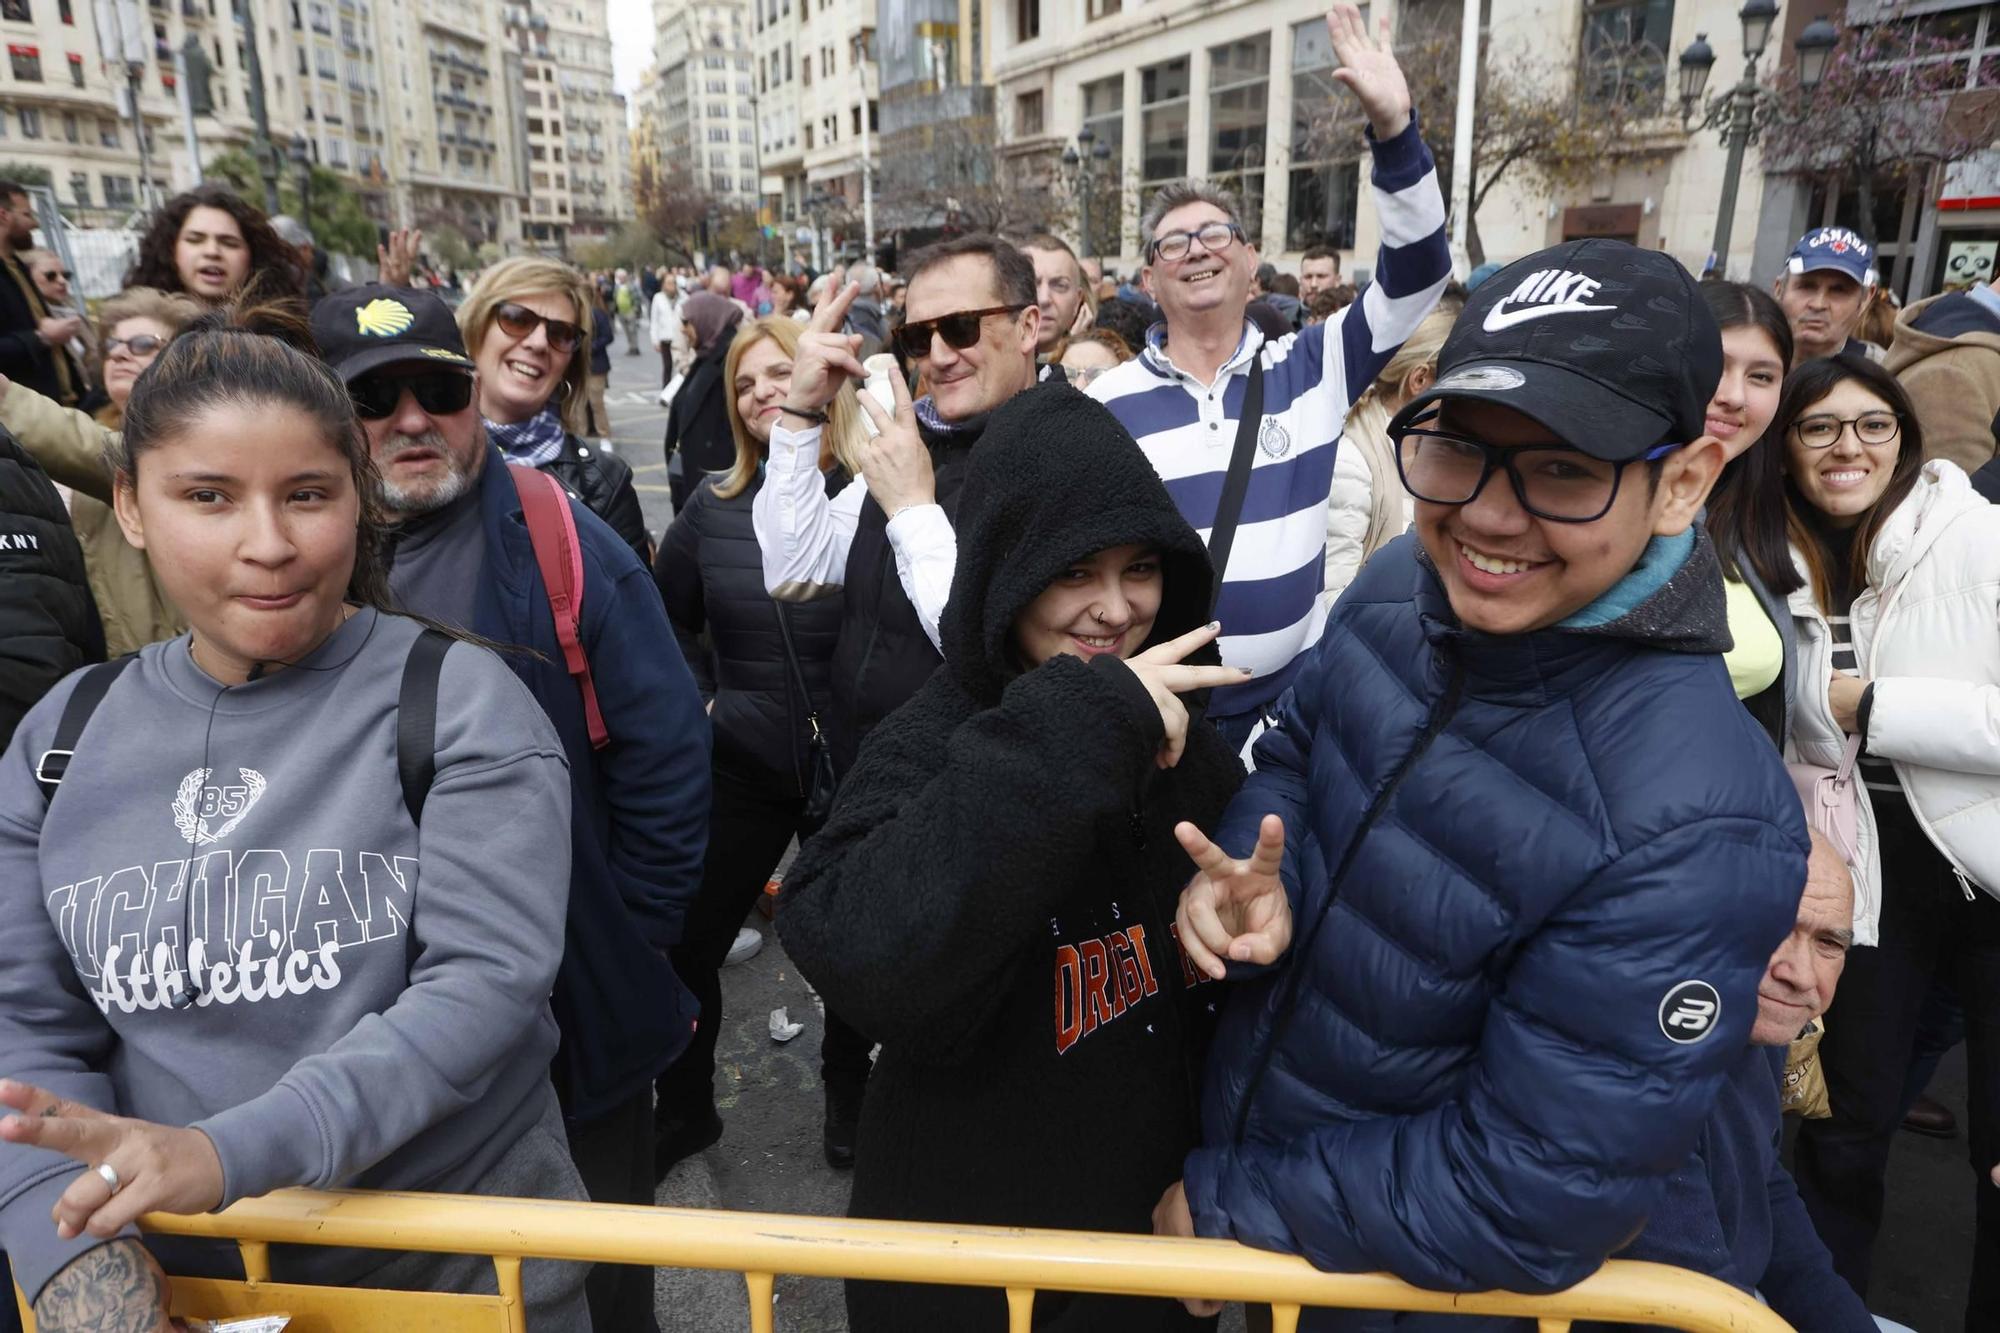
{"x":1499,"y":317}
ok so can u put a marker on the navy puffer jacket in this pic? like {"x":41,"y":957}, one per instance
{"x":1524,"y":873}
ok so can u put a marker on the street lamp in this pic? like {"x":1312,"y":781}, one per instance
{"x":301,"y":156}
{"x":1737,"y":112}
{"x":1081,"y":161}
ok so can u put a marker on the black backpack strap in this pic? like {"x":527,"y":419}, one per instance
{"x":83,"y":701}
{"x":1236,"y":486}
{"x":416,"y":720}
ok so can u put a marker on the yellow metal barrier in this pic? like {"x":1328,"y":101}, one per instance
{"x":762,"y":1245}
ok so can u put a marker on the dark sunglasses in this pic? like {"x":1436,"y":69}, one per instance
{"x":959,"y":330}
{"x":440,"y":393}
{"x":139,"y":344}
{"x":519,"y":322}
{"x":62,"y":273}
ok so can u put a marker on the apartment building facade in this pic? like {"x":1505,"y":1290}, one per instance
{"x":703,"y":100}
{"x":818,"y":118}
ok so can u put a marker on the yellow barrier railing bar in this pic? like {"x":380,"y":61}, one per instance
{"x":1016,"y":1261}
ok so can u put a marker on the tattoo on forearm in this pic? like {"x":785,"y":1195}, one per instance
{"x":111,"y":1289}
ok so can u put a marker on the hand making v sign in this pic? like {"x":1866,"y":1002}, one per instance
{"x":1166,"y":676}
{"x":1235,"y":910}
{"x":826,"y":359}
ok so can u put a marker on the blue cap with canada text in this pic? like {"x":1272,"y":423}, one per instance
{"x":1608,"y":346}
{"x":1836,"y":248}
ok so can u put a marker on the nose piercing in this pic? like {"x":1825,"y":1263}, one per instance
{"x":1100,"y":617}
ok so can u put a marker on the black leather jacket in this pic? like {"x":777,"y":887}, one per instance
{"x":603,"y":482}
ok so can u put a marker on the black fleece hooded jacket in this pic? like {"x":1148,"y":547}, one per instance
{"x":994,"y":895}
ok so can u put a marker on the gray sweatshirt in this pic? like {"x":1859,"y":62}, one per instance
{"x":351,"y":1024}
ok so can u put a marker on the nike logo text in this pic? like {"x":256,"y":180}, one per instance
{"x":1544,"y":293}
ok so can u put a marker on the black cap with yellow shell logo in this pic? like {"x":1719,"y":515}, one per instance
{"x":364,"y":328}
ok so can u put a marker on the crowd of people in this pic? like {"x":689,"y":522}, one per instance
{"x":1394,"y":776}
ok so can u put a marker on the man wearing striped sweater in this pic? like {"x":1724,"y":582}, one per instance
{"x":1182,"y":397}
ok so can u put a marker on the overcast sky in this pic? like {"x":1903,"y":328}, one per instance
{"x":631,"y":41}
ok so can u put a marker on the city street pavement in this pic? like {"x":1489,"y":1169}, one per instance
{"x":769,"y":1159}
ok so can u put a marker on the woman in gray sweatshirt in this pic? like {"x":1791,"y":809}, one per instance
{"x":231,"y":959}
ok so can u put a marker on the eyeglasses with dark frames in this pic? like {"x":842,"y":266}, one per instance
{"x":1215,"y":237}
{"x":959,"y":330}
{"x":1554,"y":482}
{"x":1871,"y":428}
{"x":438,"y":392}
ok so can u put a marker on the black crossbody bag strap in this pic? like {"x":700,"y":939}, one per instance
{"x":416,"y":720}
{"x":83,"y":701}
{"x":1236,"y":485}
{"x":792,"y":661}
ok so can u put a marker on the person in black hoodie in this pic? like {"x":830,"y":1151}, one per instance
{"x":1012,"y":827}
{"x":765,"y":670}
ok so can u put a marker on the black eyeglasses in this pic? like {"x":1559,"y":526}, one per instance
{"x":1215,"y":237}
{"x":1871,"y":428}
{"x":439,"y":392}
{"x":519,"y":322}
{"x":52,"y":274}
{"x":139,"y":345}
{"x":959,"y":330}
{"x":1551,"y":482}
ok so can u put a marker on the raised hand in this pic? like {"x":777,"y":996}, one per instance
{"x":895,"y":463}
{"x":1160,"y":669}
{"x":1368,"y":67}
{"x":1234,"y":910}
{"x":395,"y":261}
{"x":159,"y":1168}
{"x":827,"y":358}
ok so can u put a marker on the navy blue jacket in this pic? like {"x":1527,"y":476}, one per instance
{"x":1535,"y":880}
{"x":639,"y":827}
{"x":1732,"y":1211}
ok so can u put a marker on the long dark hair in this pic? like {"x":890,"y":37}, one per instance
{"x":1771,"y":502}
{"x":275,"y":273}
{"x":1737,"y":305}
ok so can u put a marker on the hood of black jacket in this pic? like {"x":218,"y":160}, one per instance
{"x":1055,"y":480}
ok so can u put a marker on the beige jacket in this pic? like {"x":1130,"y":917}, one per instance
{"x":1953,"y":382}
{"x":71,"y":446}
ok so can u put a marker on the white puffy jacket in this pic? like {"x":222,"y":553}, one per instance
{"x":1927,"y":633}
{"x":1366,"y":509}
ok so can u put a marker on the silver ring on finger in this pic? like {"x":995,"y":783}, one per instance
{"x":109,"y":1175}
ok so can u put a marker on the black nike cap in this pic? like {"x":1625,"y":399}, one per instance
{"x":1609,"y":346}
{"x":363,"y":328}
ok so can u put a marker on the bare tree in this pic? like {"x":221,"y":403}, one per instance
{"x":674,"y":206}
{"x":952,"y":174}
{"x":1892,"y":108}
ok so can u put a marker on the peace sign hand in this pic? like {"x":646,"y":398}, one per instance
{"x":1161,"y":671}
{"x":1368,"y":67}
{"x":895,"y":464}
{"x":1235,"y":909}
{"x":827,"y":358}
{"x":158,"y":1168}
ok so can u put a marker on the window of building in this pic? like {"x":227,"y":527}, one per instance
{"x":108,"y":137}
{"x":1625,"y":44}
{"x":806,"y":71}
{"x":1163,"y":122}
{"x":118,"y":192}
{"x":1325,"y":174}
{"x":16,"y":11}
{"x":76,"y":69}
{"x":1027,"y":20}
{"x":809,"y":138}
{"x":1027,"y":114}
{"x":31,"y":123}
{"x":79,"y":188}
{"x":27,"y":62}
{"x":72,"y":132}
{"x":1239,"y":84}
{"x":1097,"y":9}
{"x":67,"y":14}
{"x":1104,"y":115}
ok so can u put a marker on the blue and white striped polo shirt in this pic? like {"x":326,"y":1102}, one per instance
{"x":1270,"y":608}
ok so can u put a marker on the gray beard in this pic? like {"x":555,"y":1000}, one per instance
{"x":405,"y":502}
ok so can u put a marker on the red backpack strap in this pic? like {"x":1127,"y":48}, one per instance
{"x":559,"y":555}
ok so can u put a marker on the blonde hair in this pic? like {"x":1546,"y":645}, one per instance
{"x":527,"y":275}
{"x":172,"y":309}
{"x":1371,"y":411}
{"x":837,"y":442}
